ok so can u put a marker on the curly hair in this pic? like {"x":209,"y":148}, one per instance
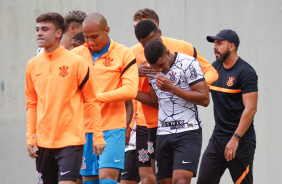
{"x":74,"y":16}
{"x":146,"y":14}
{"x":144,"y":28}
{"x":54,"y":18}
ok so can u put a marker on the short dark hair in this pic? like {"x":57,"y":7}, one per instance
{"x":154,"y":50}
{"x":74,"y":16}
{"x":146,"y":13}
{"x":144,"y":28}
{"x":79,"y":36}
{"x":54,"y":18}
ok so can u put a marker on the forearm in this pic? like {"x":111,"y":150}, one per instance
{"x":124,"y":93}
{"x":129,"y":112}
{"x":245,"y":121}
{"x":195,"y":97}
{"x":147,"y":99}
{"x":31,"y":125}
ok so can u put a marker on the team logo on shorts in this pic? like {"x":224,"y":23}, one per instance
{"x":83,"y":164}
{"x":108,"y":61}
{"x":150,"y":147}
{"x":230,"y":81}
{"x":64,"y":71}
{"x":156,"y":167}
{"x":172,"y":77}
{"x":143,"y":155}
{"x":39,"y":175}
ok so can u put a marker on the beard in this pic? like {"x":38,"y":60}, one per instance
{"x":222,"y":57}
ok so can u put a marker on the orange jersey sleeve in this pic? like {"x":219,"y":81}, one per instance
{"x":31,"y":107}
{"x":129,"y":82}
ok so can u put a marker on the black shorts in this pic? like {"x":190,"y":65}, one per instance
{"x":178,"y":151}
{"x":61,"y":164}
{"x":214,"y":164}
{"x":152,"y":136}
{"x":142,"y":153}
{"x":130,"y":171}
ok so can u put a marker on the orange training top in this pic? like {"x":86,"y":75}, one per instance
{"x":150,"y":113}
{"x":56,"y":85}
{"x":115,"y":75}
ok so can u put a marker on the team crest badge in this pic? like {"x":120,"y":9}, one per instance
{"x":143,"y":155}
{"x":150,"y":147}
{"x":39,"y":177}
{"x":172,"y":77}
{"x":64,"y":71}
{"x":83,"y":164}
{"x":156,"y":167}
{"x":108,"y":61}
{"x":230,"y":81}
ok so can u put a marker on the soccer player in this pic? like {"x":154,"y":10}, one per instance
{"x":176,"y":90}
{"x":147,"y":30}
{"x":57,"y":84}
{"x":73,"y":21}
{"x":235,"y":95}
{"x":77,"y":40}
{"x":113,"y":68}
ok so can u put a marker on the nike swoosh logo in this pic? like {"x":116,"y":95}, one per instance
{"x":123,"y":173}
{"x":117,"y":160}
{"x":38,"y":74}
{"x":183,"y":162}
{"x":63,"y":173}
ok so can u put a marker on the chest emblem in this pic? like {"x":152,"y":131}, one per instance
{"x":64,"y":71}
{"x":172,"y":77}
{"x":108,"y":61}
{"x":230,"y":81}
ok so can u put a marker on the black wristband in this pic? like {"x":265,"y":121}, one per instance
{"x":235,"y":135}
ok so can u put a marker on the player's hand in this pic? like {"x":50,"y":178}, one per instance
{"x":99,"y":149}
{"x":32,"y":150}
{"x":127,"y":135}
{"x":163,"y":83}
{"x":230,"y":149}
{"x":146,"y":71}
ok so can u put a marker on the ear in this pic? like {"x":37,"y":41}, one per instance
{"x":160,"y":31}
{"x":71,"y":28}
{"x":59,"y":33}
{"x":232,"y":47}
{"x":167,"y":53}
{"x":107,"y":30}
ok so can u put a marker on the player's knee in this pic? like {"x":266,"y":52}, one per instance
{"x":107,"y":181}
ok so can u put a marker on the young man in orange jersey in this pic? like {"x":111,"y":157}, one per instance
{"x":113,"y":68}
{"x":57,"y":84}
{"x":77,"y":40}
{"x":149,"y":114}
{"x":73,"y":21}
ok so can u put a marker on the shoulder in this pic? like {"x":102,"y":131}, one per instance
{"x":81,"y":49}
{"x":137,"y":49}
{"x":171,"y":42}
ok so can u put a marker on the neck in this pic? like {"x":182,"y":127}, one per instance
{"x":230,"y":61}
{"x":172,"y":57}
{"x":52,"y":48}
{"x":66,"y":41}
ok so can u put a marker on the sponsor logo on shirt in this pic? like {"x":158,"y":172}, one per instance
{"x":108,"y":61}
{"x":230,"y":81}
{"x":64,"y":71}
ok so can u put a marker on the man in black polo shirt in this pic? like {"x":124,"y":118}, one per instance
{"x":235,"y":95}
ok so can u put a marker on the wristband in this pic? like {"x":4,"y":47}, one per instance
{"x":236,"y":135}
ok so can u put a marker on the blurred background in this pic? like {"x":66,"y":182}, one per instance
{"x":257,"y":22}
